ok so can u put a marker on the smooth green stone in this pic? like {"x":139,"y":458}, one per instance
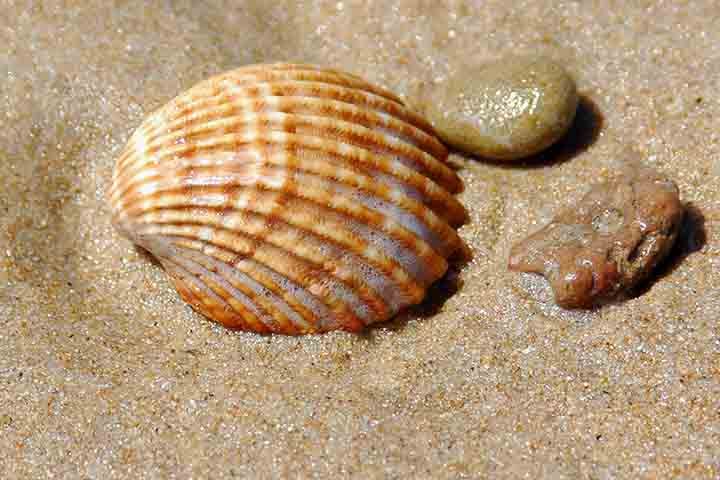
{"x":507,"y":109}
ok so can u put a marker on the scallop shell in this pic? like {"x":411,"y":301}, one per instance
{"x":290,"y":199}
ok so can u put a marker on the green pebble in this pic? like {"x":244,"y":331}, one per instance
{"x":507,"y":109}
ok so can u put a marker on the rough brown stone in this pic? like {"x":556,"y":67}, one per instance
{"x":608,"y":242}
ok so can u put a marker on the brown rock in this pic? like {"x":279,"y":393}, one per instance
{"x":606,"y":243}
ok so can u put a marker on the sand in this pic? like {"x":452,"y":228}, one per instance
{"x":105,"y":373}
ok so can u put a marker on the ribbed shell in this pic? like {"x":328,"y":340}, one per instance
{"x":290,"y":199}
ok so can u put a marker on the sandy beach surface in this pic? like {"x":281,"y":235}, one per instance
{"x":106,"y":374}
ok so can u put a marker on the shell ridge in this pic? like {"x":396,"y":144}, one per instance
{"x":240,"y":77}
{"x":229,"y":96}
{"x":243,"y":309}
{"x":351,"y":134}
{"x":269,"y":294}
{"x":281,"y":320}
{"x":248,"y":104}
{"x":285,"y":66}
{"x":344,"y":273}
{"x":321,"y":270}
{"x":257,"y":272}
{"x":334,"y":232}
{"x":381,"y":226}
{"x":313,"y":195}
{"x":447,"y":240}
{"x":209,"y":303}
{"x":171,"y":254}
{"x":440,"y":200}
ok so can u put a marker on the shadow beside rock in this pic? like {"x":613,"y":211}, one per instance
{"x":437,"y":295}
{"x":691,"y":238}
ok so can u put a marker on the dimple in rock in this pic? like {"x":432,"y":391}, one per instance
{"x":608,"y":242}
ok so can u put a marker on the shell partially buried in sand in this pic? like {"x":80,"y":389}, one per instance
{"x":290,"y":199}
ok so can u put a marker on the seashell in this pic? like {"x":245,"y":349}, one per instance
{"x":290,"y":199}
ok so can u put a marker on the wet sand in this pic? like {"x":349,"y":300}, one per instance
{"x":106,"y":373}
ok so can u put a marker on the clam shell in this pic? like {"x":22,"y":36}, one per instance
{"x":290,"y":199}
